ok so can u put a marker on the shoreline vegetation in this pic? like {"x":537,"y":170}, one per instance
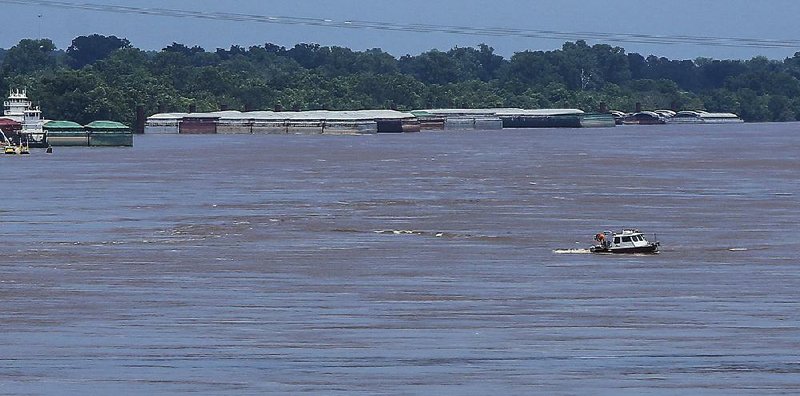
{"x":105,"y":77}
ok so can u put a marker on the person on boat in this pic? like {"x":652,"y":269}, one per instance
{"x":600,"y":237}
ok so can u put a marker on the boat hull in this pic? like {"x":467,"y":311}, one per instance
{"x":648,"y":249}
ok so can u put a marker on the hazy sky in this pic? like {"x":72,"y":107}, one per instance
{"x":773,"y":19}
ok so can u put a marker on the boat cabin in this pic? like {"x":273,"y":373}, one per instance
{"x":629,"y":238}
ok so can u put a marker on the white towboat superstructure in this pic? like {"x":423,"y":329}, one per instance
{"x":20,"y":109}
{"x":628,"y":241}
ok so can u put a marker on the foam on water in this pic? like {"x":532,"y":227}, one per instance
{"x":572,"y":251}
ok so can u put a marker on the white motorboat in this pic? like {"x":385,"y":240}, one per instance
{"x":628,"y":241}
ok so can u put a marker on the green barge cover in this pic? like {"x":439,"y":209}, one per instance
{"x":66,"y":133}
{"x":109,"y":134}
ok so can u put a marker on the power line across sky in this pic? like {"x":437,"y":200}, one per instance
{"x":477,"y":31}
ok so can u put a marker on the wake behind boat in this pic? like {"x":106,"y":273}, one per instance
{"x":628,"y":241}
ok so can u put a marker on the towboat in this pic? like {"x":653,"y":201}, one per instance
{"x":628,"y":241}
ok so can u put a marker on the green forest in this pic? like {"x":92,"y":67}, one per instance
{"x":105,"y":77}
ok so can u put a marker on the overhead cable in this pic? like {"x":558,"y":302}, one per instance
{"x":637,"y":38}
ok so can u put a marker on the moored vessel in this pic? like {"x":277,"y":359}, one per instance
{"x":644,"y":118}
{"x":703,"y":117}
{"x":20,"y":109}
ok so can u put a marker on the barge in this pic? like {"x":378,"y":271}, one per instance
{"x":703,"y":117}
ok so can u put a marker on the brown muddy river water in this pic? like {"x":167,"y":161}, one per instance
{"x":444,"y":263}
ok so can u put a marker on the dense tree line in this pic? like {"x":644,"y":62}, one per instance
{"x":102,"y":77}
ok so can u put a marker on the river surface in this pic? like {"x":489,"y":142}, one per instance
{"x":436,"y":263}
